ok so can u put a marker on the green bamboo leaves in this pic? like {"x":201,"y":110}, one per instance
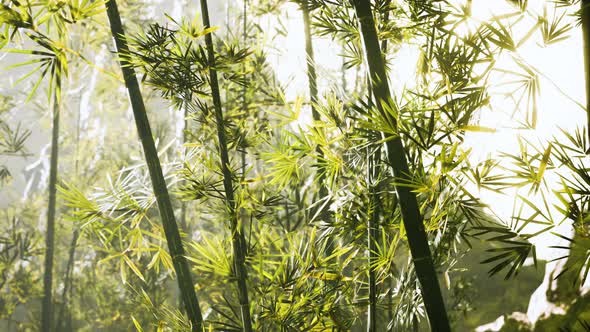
{"x":175,"y":245}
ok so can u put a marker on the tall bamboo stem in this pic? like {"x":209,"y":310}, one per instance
{"x":586,"y":36}
{"x":372,"y":236}
{"x":47,"y":304}
{"x":175,"y":246}
{"x":412,"y":219}
{"x":237,"y":232}
{"x":312,"y":79}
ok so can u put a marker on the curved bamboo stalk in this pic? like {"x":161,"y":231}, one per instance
{"x":237,"y":232}
{"x":416,"y":234}
{"x":175,"y":246}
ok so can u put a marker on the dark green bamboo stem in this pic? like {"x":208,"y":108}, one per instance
{"x":175,"y":246}
{"x":586,"y":36}
{"x":238,"y":240}
{"x":413,"y":223}
{"x":47,"y":304}
{"x":374,"y":217}
{"x":384,"y":45}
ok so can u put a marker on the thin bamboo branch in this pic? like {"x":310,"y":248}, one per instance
{"x":175,"y":245}
{"x":237,"y":232}
{"x":412,"y":219}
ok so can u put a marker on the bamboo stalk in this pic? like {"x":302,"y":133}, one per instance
{"x":244,"y":100}
{"x":47,"y":303}
{"x":65,"y":316}
{"x":244,"y":106}
{"x":323,"y":213}
{"x":237,"y":232}
{"x":173,"y":239}
{"x":412,"y":219}
{"x":586,"y":37}
{"x":376,"y":234}
{"x":312,"y":79}
{"x":64,"y":322}
{"x":372,"y":236}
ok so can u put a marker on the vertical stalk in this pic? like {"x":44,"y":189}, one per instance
{"x":412,"y":219}
{"x":313,"y":84}
{"x":244,"y":101}
{"x":313,"y":97}
{"x":372,"y":236}
{"x":243,"y":214}
{"x":384,"y":21}
{"x":343,"y":74}
{"x":375,"y":235}
{"x":65,"y":316}
{"x":586,"y":37}
{"x":310,"y":60}
{"x":183,"y":223}
{"x":237,"y":232}
{"x":47,"y":304}
{"x":64,"y":323}
{"x":173,"y":239}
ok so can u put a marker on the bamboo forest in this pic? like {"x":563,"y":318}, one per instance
{"x":295,"y":165}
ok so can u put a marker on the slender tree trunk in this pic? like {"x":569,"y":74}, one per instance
{"x":413,"y":223}
{"x":243,"y":214}
{"x":372,"y":236}
{"x":65,"y":316}
{"x":374,"y":217}
{"x":313,"y":97}
{"x":47,"y":305}
{"x":64,"y":319}
{"x":244,"y":99}
{"x":586,"y":36}
{"x":175,"y":245}
{"x":183,"y":223}
{"x":384,"y":21}
{"x":237,"y":232}
{"x":343,"y":73}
